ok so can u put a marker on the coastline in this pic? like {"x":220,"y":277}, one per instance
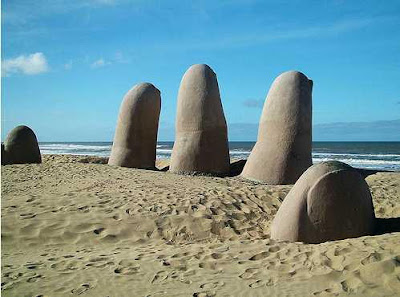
{"x":367,"y":155}
{"x":72,"y":222}
{"x":236,"y":165}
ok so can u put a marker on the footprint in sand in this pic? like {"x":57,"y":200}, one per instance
{"x":117,"y":217}
{"x":98,"y":230}
{"x":350,"y":267}
{"x":30,"y":199}
{"x":259,"y":256}
{"x":29,"y":215}
{"x":326,"y":292}
{"x":13,"y":275}
{"x":127,"y":267}
{"x":216,"y":255}
{"x":249,"y":273}
{"x":65,"y":265}
{"x":352,"y":283}
{"x":212,"y":285}
{"x":126,"y":270}
{"x":204,"y":294}
{"x":84,"y":208}
{"x":34,"y":265}
{"x":259,"y":283}
{"x":81,"y":289}
{"x":99,"y":262}
{"x":342,"y":251}
{"x":373,"y":257}
{"x":208,"y":265}
{"x":274,"y":249}
{"x":159,"y":277}
{"x":377,"y":272}
{"x":157,"y":294}
{"x":34,"y":278}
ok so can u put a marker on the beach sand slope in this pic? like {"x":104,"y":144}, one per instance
{"x":72,"y":227}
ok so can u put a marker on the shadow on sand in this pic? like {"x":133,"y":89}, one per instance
{"x":387,"y":225}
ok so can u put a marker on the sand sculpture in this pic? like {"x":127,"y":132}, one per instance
{"x":201,"y":141}
{"x":135,"y":139}
{"x":21,"y":147}
{"x":330,"y":201}
{"x":283,"y":148}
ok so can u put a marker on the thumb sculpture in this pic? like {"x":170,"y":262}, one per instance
{"x":201,"y":141}
{"x":21,"y":147}
{"x":330,"y":201}
{"x":283,"y":148}
{"x":135,"y":139}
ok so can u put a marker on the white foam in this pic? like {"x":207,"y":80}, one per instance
{"x":239,"y":152}
{"x":358,"y":155}
{"x":364,"y":160}
{"x":65,"y":147}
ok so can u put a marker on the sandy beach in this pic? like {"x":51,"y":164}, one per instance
{"x":71,"y":226}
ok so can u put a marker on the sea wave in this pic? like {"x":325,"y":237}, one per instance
{"x":318,"y":154}
{"x":373,"y":160}
{"x":101,"y":150}
{"x":67,"y":147}
{"x":239,"y":152}
{"x":366,"y":161}
{"x":166,"y":151}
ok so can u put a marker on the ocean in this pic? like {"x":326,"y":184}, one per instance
{"x":367,"y":155}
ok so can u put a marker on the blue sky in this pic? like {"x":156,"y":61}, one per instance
{"x":67,"y":64}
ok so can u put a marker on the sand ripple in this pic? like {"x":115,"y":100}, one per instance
{"x":71,"y":228}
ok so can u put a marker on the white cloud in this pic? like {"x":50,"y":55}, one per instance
{"x":99,"y":63}
{"x":23,"y":12}
{"x":120,"y":58}
{"x":273,"y":35}
{"x":107,"y":2}
{"x":68,"y":65}
{"x":254,"y":103}
{"x":31,"y":65}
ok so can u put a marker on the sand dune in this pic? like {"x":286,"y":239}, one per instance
{"x":72,"y":228}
